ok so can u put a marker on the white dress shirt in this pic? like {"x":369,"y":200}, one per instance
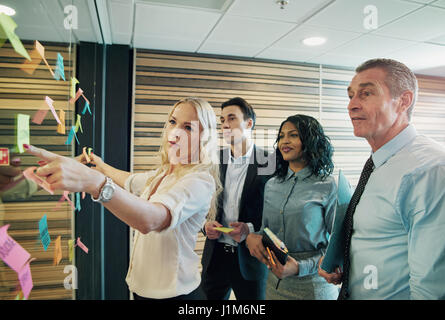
{"x":233,"y":188}
{"x":164,"y":264}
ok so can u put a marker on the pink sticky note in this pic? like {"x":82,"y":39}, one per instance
{"x":78,"y":94}
{"x":81,"y":245}
{"x":83,"y":195}
{"x":86,"y":99}
{"x":49,"y":102}
{"x":30,"y":175}
{"x":11,"y":252}
{"x":25,"y":279}
{"x":39,"y":116}
{"x":67,"y":198}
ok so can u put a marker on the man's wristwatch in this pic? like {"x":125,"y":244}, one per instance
{"x":107,"y":191}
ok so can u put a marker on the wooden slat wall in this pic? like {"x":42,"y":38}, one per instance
{"x":23,"y":93}
{"x":275,"y":89}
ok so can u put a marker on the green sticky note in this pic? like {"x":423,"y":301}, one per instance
{"x":22,"y":134}
{"x":8,"y":25}
{"x":71,"y":250}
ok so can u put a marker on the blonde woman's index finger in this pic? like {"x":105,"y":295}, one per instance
{"x":41,"y":153}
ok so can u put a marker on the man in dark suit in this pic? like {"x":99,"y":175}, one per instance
{"x":244,"y":170}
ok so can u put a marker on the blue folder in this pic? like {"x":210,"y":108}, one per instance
{"x":334,"y":252}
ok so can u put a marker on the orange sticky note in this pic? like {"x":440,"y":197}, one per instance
{"x":30,"y":66}
{"x":41,"y":50}
{"x":61,"y":125}
{"x":57,"y":251}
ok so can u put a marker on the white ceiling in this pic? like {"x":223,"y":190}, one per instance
{"x":412,"y":31}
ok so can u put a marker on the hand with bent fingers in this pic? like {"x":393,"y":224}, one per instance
{"x":211,"y":233}
{"x":334,"y":277}
{"x":255,"y":245}
{"x":239,"y":229}
{"x":96,"y":162}
{"x":282,"y":271}
{"x":66,"y":173}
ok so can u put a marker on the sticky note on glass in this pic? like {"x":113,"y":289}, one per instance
{"x":224,"y":229}
{"x":78,"y":206}
{"x":78,"y":124}
{"x":70,"y":250}
{"x":81,"y":245}
{"x":43,"y":231}
{"x":50,"y":102}
{"x":25,"y":279}
{"x":60,"y":69}
{"x":77,"y":96}
{"x":86,"y":107}
{"x":39,"y":116}
{"x":8,"y":26}
{"x":74,"y":81}
{"x":71,"y":135}
{"x":41,"y":50}
{"x":30,"y":66}
{"x":11,"y":252}
{"x":61,"y":126}
{"x":4,"y":157}
{"x":22,"y":127}
{"x":57,"y":251}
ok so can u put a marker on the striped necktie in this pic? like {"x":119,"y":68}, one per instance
{"x":366,"y":173}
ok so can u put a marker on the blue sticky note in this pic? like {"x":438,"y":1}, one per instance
{"x":71,"y":135}
{"x":60,"y":69}
{"x":78,"y":207}
{"x":44,"y":234}
{"x":87,"y":107}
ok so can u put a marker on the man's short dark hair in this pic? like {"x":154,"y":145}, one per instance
{"x":246,"y":108}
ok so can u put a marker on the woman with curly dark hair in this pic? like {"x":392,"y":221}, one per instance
{"x":299,"y":207}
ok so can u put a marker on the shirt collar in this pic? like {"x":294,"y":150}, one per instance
{"x":303,"y":173}
{"x":243,"y":158}
{"x":394,"y":145}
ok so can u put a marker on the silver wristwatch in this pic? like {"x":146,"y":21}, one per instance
{"x":107,"y":191}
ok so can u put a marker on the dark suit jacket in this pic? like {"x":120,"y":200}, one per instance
{"x":251,"y":210}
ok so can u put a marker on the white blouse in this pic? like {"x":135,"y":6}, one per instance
{"x":164,"y":264}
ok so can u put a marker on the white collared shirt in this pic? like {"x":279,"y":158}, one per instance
{"x":233,"y":188}
{"x":164,"y":264}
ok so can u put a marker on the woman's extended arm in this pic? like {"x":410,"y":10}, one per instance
{"x":68,"y":174}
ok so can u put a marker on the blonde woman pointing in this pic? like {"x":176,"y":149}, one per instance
{"x":166,"y":206}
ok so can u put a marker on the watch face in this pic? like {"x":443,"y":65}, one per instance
{"x":107,"y":192}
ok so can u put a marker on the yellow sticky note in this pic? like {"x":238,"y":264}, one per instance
{"x":71,"y":250}
{"x":41,"y":50}
{"x":57,"y":251}
{"x":74,"y":81}
{"x":8,"y":26}
{"x":224,"y":229}
{"x":61,"y":125}
{"x":78,"y":124}
{"x":22,"y":131}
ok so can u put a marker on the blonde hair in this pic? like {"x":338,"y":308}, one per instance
{"x":208,"y":149}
